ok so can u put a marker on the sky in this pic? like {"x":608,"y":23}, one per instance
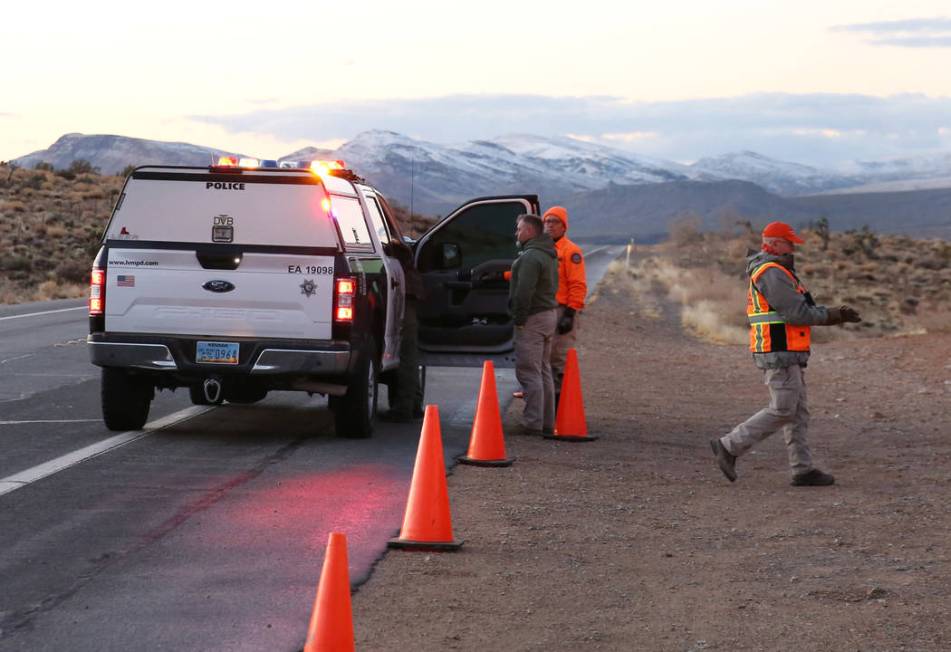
{"x":819,"y":82}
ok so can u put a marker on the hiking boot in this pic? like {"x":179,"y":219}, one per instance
{"x":813,"y":478}
{"x":548,"y":432}
{"x":725,"y":459}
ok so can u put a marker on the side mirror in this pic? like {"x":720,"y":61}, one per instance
{"x":450,"y":256}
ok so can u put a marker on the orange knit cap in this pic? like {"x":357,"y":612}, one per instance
{"x":558,"y":211}
{"x":781,"y":230}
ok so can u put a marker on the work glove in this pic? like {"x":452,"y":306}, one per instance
{"x":843,"y":314}
{"x":566,"y":322}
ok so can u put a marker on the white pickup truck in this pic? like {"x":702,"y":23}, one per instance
{"x":235,"y":281}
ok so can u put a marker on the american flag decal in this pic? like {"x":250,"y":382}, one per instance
{"x":125,"y":281}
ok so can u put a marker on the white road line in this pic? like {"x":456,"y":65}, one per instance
{"x":45,"y":312}
{"x":23,"y":478}
{"x":18,"y":423}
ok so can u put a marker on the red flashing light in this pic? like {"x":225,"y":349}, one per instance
{"x":227,"y":161}
{"x":97,"y":282}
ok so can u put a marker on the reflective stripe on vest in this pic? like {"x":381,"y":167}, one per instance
{"x":769,"y":332}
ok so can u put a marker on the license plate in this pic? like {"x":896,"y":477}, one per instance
{"x":217,"y":352}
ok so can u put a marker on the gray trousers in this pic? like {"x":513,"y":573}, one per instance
{"x":787,"y":410}
{"x":559,"y":349}
{"x":533,"y":369}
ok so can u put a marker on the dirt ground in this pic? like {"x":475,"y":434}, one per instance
{"x":637,"y":542}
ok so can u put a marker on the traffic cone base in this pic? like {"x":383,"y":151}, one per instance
{"x":465,"y":459}
{"x":571,"y":437}
{"x":433,"y":546}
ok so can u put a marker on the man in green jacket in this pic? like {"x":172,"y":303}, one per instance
{"x":534,"y":309}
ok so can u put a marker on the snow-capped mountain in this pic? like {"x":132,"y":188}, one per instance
{"x":781,"y":177}
{"x":435,"y":177}
{"x":112,"y":154}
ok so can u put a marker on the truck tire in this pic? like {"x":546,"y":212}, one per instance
{"x":126,"y":399}
{"x":393,"y":389}
{"x":355,"y":412}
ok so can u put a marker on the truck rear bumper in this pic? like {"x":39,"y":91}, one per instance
{"x":269,"y":358}
{"x":154,"y":357}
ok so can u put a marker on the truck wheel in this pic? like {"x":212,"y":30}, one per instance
{"x":126,"y":399}
{"x":393,"y":389}
{"x":355,"y":412}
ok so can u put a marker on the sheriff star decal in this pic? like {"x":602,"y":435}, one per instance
{"x":308,"y":288}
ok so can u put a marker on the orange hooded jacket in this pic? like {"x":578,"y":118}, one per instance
{"x":572,"y":284}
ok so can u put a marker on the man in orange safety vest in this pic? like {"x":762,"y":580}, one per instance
{"x":780,"y":311}
{"x":572,"y":290}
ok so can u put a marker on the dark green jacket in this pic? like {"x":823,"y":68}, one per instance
{"x":534,"y":278}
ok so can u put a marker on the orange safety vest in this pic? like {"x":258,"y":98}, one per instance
{"x":769,"y":332}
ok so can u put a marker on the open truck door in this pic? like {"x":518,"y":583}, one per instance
{"x":465,"y":317}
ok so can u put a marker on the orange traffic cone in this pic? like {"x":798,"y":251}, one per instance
{"x":570,"y":424}
{"x":427,"y":524}
{"x":487,"y":443}
{"x":331,"y":623}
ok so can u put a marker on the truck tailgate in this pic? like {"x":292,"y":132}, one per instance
{"x":267,"y":296}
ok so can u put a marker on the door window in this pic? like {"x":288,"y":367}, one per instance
{"x":353,"y":227}
{"x":480,"y":233}
{"x":376,"y":218}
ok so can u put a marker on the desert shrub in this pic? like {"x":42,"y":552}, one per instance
{"x":82,"y":166}
{"x":43,"y":166}
{"x":66,"y":174}
{"x":685,"y":230}
{"x":13,"y":206}
{"x":34,"y":181}
{"x":55,"y":231}
{"x":16,"y":263}
{"x":73,"y":271}
{"x":126,"y":171}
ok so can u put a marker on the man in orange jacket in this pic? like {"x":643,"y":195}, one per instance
{"x":572,"y":290}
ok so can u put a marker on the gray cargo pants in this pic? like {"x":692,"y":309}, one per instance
{"x":533,"y":369}
{"x":787,"y":410}
{"x":559,"y":349}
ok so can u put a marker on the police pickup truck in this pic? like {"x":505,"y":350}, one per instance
{"x":237,"y":279}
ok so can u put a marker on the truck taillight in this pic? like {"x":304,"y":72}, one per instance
{"x":97,"y":282}
{"x":345,"y":289}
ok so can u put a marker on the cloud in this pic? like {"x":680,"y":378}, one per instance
{"x":630,"y":136}
{"x":812,"y":128}
{"x":908,"y":33}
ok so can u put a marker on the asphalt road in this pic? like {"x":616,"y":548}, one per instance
{"x":205,"y":531}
